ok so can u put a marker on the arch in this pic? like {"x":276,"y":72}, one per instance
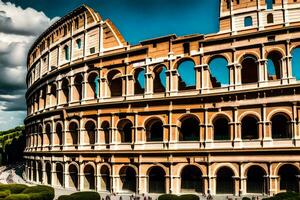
{"x":249,"y":127}
{"x":59,"y":170}
{"x":40,"y":171}
{"x":48,"y":173}
{"x":53,"y":94}
{"x":128,"y":179}
{"x":219,"y":72}
{"x":288,"y":178}
{"x":249,"y":71}
{"x":191,"y":179}
{"x":40,"y":135}
{"x":65,"y":97}
{"x":281,"y":127}
{"x":78,"y":42}
{"x":58,"y":132}
{"x":73,"y":133}
{"x":248,"y":21}
{"x":48,"y":134}
{"x":89,"y":177}
{"x":105,"y":178}
{"x":73,"y":176}
{"x":256,"y":180}
{"x":78,"y":84}
{"x":90,"y":133}
{"x":93,"y":85}
{"x":274,"y":65}
{"x":67,"y":52}
{"x":270,"y":18}
{"x":105,"y":126}
{"x":296,"y":62}
{"x":160,"y":79}
{"x":125,"y":131}
{"x":139,"y":81}
{"x":187,"y":74}
{"x":189,"y":129}
{"x":157,"y":182}
{"x":154,"y":129}
{"x":115,"y":83}
{"x":34,"y":172}
{"x":225,"y":181}
{"x":221,"y":128}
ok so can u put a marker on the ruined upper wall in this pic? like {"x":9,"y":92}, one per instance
{"x":264,"y":14}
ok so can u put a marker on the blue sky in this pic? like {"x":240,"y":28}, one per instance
{"x":22,"y":21}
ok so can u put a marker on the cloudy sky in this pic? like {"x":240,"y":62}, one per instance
{"x":21,"y":22}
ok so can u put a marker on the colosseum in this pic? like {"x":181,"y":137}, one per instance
{"x":112,"y":117}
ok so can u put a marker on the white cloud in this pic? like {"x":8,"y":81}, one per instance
{"x":18,"y":29}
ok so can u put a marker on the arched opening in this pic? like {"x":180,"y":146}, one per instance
{"x":281,"y":126}
{"x":187,"y":75}
{"x":48,"y":173}
{"x":248,"y":22}
{"x":249,"y":69}
{"x":125,"y":130}
{"x":34,"y":174}
{"x":225,"y":181}
{"x":288,"y":178}
{"x":128,"y":179}
{"x":105,"y":178}
{"x":157,"y":183}
{"x":40,"y":136}
{"x":67,"y":52}
{"x":270,"y":18}
{"x":58,"y":138}
{"x":189,"y":129}
{"x":256,"y":180}
{"x":160,"y":79}
{"x":221,"y":129}
{"x":219,"y":72}
{"x":40,"y":171}
{"x":59,"y":174}
{"x":139,"y":81}
{"x":296,"y":63}
{"x":90,"y":133}
{"x":269,"y":4}
{"x":78,"y":84}
{"x":93,"y":86}
{"x":115,"y":83}
{"x":48,"y":135}
{"x":73,"y":177}
{"x":105,"y":132}
{"x":191,"y":180}
{"x":249,"y":127}
{"x":274,"y":65}
{"x":53,"y":95}
{"x":89,"y":177}
{"x":65,"y":91}
{"x":154,"y":130}
{"x":73,"y":131}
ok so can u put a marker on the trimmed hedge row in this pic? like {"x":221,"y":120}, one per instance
{"x":181,"y":197}
{"x":285,"y":196}
{"x":81,"y":196}
{"x":24,"y":192}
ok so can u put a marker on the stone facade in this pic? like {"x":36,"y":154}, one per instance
{"x":91,"y":125}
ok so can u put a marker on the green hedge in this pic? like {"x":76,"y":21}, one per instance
{"x":246,"y":198}
{"x":285,"y":196}
{"x":81,"y":196}
{"x":24,"y":192}
{"x":168,"y":197}
{"x":188,"y":197}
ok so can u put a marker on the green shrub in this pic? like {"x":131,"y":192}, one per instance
{"x":13,"y":188}
{"x":40,"y":192}
{"x":4,"y":194}
{"x":17,"y":197}
{"x":285,"y":196}
{"x":81,"y":196}
{"x":168,"y":197}
{"x":188,"y":197}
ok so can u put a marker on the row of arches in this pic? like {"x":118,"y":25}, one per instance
{"x":192,"y":178}
{"x":219,"y":69}
{"x":188,"y":130}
